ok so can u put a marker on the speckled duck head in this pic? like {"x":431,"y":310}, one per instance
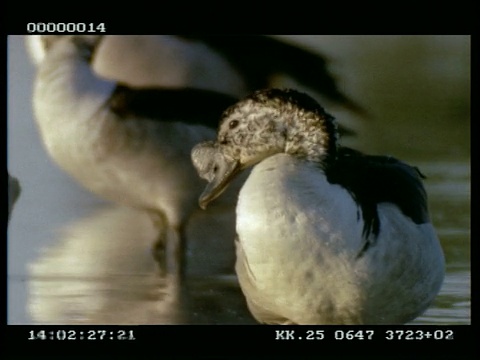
{"x":265,"y":123}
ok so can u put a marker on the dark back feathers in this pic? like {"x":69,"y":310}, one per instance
{"x":189,"y":105}
{"x":375,"y":179}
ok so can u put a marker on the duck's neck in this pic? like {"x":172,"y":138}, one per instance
{"x":66,"y":89}
{"x":69,"y":105}
{"x":310,"y":137}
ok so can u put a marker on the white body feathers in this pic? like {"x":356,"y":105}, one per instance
{"x":299,"y":240}
{"x":131,"y":161}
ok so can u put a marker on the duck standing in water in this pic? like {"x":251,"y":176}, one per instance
{"x":128,"y":145}
{"x":325,"y":234}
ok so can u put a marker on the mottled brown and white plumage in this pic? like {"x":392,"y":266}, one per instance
{"x":325,"y":234}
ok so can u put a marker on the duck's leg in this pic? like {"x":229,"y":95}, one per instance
{"x":169,"y":247}
{"x":159,"y":248}
{"x":176,"y":252}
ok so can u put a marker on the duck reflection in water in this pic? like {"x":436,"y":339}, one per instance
{"x":101,"y":272}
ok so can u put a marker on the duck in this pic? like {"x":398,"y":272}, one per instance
{"x":128,"y":145}
{"x":129,"y":141}
{"x":324,"y":233}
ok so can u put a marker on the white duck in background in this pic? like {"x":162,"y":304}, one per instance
{"x":128,"y":145}
{"x":325,"y":234}
{"x":131,"y":144}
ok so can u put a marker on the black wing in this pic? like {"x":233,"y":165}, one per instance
{"x":259,"y":57}
{"x":375,"y":179}
{"x":189,"y":105}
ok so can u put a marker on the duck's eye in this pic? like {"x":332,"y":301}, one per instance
{"x":233,"y":124}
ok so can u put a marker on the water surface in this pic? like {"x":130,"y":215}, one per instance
{"x":75,"y":259}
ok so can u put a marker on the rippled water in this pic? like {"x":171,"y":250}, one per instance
{"x":75,"y":259}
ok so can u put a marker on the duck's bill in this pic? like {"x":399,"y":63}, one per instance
{"x":225,"y":172}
